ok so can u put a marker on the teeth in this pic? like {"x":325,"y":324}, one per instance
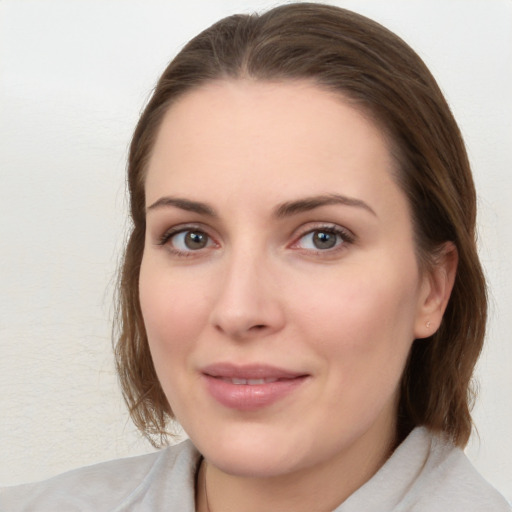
{"x":251,"y":382}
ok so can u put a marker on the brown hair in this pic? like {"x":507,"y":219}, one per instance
{"x":366,"y":63}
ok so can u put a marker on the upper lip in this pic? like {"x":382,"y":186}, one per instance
{"x":249,"y":371}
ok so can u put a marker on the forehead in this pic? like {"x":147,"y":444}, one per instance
{"x":279,"y":136}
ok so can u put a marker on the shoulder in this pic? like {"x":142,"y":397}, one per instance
{"x":122,"y":484}
{"x":426,"y":473}
{"x":449,"y":482}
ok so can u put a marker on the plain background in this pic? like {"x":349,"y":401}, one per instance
{"x":74,"y":75}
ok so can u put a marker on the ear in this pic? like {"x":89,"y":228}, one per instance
{"x":436,"y":289}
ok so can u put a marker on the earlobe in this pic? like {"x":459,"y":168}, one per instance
{"x":436,"y":290}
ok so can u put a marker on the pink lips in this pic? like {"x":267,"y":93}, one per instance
{"x":250,"y":387}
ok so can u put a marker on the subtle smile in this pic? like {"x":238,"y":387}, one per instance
{"x":250,"y":382}
{"x":248,"y":388}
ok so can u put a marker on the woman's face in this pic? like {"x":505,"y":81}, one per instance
{"x":279,"y":284}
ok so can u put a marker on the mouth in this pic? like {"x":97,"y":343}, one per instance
{"x":250,"y":387}
{"x":249,"y":382}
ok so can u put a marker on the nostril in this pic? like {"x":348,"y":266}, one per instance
{"x":253,"y":328}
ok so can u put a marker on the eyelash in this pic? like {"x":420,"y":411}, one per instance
{"x":169,"y":234}
{"x":347,"y":238}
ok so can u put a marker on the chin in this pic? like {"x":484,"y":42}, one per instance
{"x":254,"y":464}
{"x":250,"y":454}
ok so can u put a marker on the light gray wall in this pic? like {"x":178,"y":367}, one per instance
{"x":73,"y":78}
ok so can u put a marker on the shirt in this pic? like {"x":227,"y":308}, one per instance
{"x":424,"y":474}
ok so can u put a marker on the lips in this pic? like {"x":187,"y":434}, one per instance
{"x":250,"y":382}
{"x":250,"y":387}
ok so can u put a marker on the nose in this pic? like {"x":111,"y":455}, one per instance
{"x":248,"y":303}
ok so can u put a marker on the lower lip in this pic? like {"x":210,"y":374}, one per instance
{"x":246,"y":397}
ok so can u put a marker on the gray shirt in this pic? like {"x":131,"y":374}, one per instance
{"x":424,"y":474}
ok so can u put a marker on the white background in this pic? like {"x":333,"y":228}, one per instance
{"x":74,"y":75}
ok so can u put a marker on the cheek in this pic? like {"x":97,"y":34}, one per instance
{"x":362,"y":317}
{"x":172,"y":309}
{"x":173,"y":317}
{"x":362,"y":333}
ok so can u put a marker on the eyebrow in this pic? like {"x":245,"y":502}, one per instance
{"x":286,"y":209}
{"x":183,"y":204}
{"x":310,"y":203}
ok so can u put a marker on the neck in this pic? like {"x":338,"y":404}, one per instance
{"x":321,"y":488}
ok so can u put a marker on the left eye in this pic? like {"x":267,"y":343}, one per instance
{"x":320,"y":240}
{"x":190,"y":240}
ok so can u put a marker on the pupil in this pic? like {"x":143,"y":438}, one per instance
{"x":324,"y":240}
{"x":195,"y":240}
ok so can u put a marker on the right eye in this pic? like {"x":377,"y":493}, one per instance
{"x":185,"y":241}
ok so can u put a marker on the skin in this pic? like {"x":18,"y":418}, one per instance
{"x":260,"y":291}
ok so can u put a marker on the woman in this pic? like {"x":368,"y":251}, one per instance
{"x":301,"y":289}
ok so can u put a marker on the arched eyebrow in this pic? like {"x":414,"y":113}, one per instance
{"x":310,"y":203}
{"x":183,"y":204}
{"x":286,"y":209}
